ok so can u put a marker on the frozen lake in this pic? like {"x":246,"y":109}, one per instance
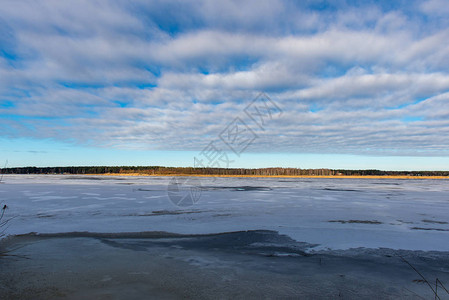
{"x":101,"y":237}
{"x":326,"y":213}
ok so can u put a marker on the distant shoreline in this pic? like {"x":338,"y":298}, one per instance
{"x":275,"y":172}
{"x":272,"y":176}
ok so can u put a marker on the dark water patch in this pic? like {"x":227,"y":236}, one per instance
{"x":258,"y":242}
{"x":222,"y":215}
{"x":252,"y":188}
{"x":45,"y":216}
{"x":165,"y":212}
{"x":93,"y":178}
{"x":144,"y":190}
{"x":434,"y":222}
{"x":356,"y":221}
{"x":429,"y":229}
{"x":298,"y":181}
{"x":341,"y":190}
{"x":236,"y":188}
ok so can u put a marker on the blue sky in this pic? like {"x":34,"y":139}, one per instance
{"x":360,"y":84}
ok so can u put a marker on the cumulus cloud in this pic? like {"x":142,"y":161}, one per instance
{"x":366,"y":79}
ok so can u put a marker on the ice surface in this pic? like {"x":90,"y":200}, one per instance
{"x":334,"y":213}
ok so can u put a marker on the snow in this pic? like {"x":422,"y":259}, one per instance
{"x":413,"y":214}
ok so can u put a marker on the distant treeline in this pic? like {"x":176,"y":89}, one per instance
{"x":155,"y":170}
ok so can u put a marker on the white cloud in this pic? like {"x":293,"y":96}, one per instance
{"x":347,"y":83}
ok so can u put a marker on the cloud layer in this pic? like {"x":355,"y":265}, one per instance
{"x":350,"y":78}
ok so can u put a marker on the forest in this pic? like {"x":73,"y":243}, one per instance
{"x":158,"y":170}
